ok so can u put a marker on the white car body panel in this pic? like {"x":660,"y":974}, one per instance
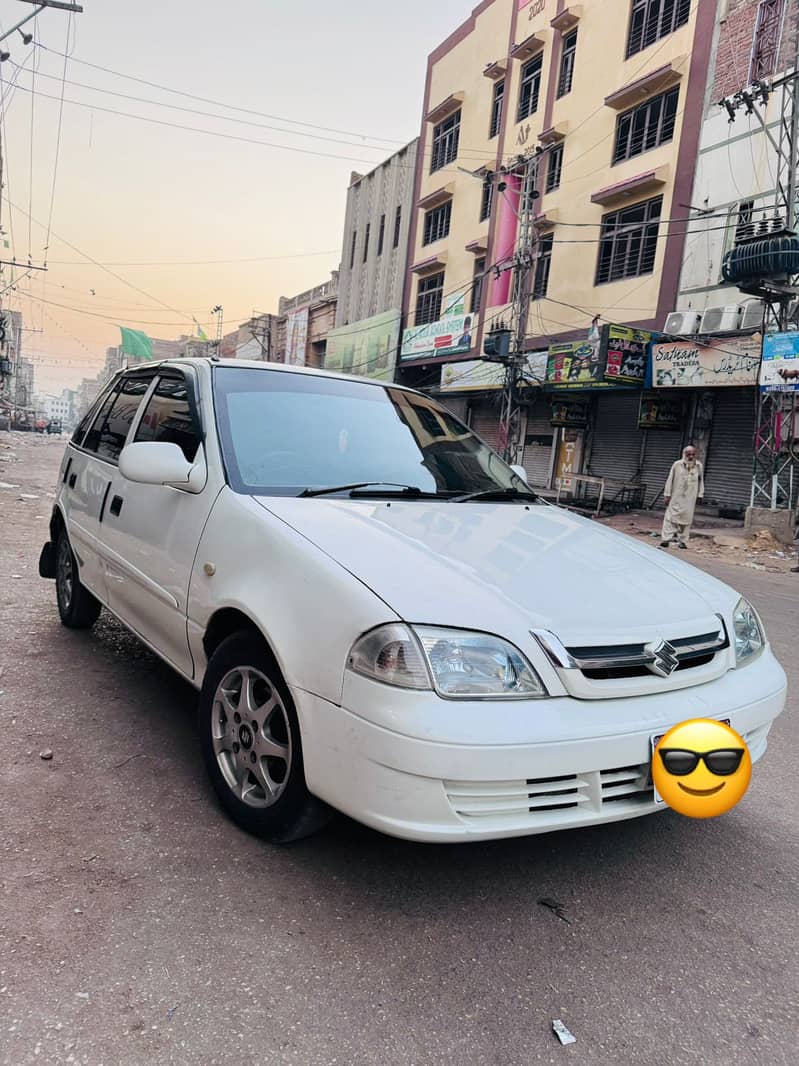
{"x":315,"y":574}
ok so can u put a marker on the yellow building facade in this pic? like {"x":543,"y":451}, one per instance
{"x":607,"y":96}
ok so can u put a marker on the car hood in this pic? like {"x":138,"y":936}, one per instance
{"x":487,"y":566}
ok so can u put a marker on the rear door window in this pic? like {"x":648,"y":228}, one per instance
{"x":168,"y":418}
{"x":111,"y":427}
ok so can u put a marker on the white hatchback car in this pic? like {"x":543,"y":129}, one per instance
{"x":380,"y":615}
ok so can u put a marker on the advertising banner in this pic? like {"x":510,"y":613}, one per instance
{"x":576,"y":365}
{"x":570,"y":413}
{"x":780,"y":369}
{"x":367,"y":348}
{"x":451,"y":335}
{"x":296,"y":337}
{"x":689,"y":364}
{"x":660,"y":412}
{"x":627,"y":351}
{"x":478,"y":374}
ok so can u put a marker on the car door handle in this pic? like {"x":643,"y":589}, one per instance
{"x":72,"y":479}
{"x":116,"y":505}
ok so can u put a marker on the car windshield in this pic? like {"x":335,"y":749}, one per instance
{"x":283,"y":433}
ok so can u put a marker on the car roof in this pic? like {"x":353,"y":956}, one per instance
{"x":257,"y":364}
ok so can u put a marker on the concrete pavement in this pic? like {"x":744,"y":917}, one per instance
{"x":137,"y":925}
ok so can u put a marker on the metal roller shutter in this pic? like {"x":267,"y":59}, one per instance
{"x":537,"y":460}
{"x":728,"y":470}
{"x":663,"y":447}
{"x":616,"y":449}
{"x":485,"y":422}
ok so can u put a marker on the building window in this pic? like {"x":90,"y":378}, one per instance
{"x":628,"y":242}
{"x":496,"y":109}
{"x":445,"y":142}
{"x":477,"y":285}
{"x":567,"y":64}
{"x":428,"y":299}
{"x":436,"y":223}
{"x":530,"y":88}
{"x":543,"y":262}
{"x":554,"y":168}
{"x":487,"y":198}
{"x":381,"y":237}
{"x":765,"y":48}
{"x":397,"y":226}
{"x":352,"y":250}
{"x":652,"y":19}
{"x":646,"y":126}
{"x":366,"y":241}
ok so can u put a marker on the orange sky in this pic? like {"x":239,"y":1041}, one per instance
{"x":136,"y":192}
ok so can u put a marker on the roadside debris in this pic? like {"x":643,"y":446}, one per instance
{"x":555,"y":907}
{"x":27,"y":496}
{"x":47,"y":754}
{"x":7,"y":485}
{"x":562,"y":1033}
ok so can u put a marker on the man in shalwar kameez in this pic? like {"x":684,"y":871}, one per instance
{"x":685,"y":485}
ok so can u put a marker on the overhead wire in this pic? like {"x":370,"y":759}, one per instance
{"x":58,"y":135}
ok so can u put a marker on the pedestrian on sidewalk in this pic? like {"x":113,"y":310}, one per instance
{"x":685,"y":485}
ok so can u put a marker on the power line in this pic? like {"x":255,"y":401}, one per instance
{"x":200,"y":262}
{"x":58,"y":137}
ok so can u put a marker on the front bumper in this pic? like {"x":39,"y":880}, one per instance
{"x":414,"y":766}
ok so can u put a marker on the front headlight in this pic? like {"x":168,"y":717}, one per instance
{"x":457,"y":663}
{"x":749,"y":636}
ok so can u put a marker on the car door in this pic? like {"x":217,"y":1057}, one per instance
{"x":87,"y":471}
{"x":150,"y":533}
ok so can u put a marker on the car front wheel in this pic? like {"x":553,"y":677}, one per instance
{"x":251,"y":743}
{"x":77,"y":607}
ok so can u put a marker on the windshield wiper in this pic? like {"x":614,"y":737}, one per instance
{"x":497,"y":494}
{"x":405,"y":490}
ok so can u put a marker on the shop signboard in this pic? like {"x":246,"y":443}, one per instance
{"x":367,"y":348}
{"x":478,"y":375}
{"x":454,"y":334}
{"x":296,"y":337}
{"x":569,"y":412}
{"x":576,"y":365}
{"x":659,"y":411}
{"x":720,"y":362}
{"x":780,"y":369}
{"x":627,"y":351}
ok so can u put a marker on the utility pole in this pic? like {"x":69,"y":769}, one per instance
{"x":504,"y":345}
{"x":218,"y":311}
{"x":774,"y":466}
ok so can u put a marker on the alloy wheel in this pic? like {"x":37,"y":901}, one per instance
{"x":251,"y":737}
{"x":65,"y":577}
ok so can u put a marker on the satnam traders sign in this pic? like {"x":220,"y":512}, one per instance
{"x":690,"y":365}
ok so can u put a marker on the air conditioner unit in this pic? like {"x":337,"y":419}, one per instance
{"x":682,"y":323}
{"x":721,"y":319}
{"x":754,"y":313}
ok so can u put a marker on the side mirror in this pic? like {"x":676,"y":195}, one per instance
{"x":155,"y":463}
{"x":519,"y":471}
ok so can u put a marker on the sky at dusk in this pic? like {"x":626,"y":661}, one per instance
{"x":146,"y":199}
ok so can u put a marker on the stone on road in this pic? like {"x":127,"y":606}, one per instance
{"x":138,"y":925}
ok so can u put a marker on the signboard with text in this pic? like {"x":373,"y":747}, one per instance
{"x":627,"y":351}
{"x":296,"y":337}
{"x":617,"y":358}
{"x":721,"y":362}
{"x":454,"y":334}
{"x":367,"y":348}
{"x":780,"y":369}
{"x":659,"y":411}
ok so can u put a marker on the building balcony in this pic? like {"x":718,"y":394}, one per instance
{"x":446,"y":108}
{"x":567,"y":19}
{"x":479,"y":246}
{"x":437,"y":197}
{"x":496,"y":70}
{"x":632,"y":188}
{"x":527,"y":48}
{"x":656,"y":81}
{"x":553,"y":135}
{"x":430,"y":265}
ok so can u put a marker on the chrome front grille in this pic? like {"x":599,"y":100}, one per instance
{"x":637,"y":660}
{"x":542,"y":800}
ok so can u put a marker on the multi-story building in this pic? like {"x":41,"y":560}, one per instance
{"x":374,"y":259}
{"x":608,"y":96}
{"x":733,"y":190}
{"x":60,"y":408}
{"x":303,"y":324}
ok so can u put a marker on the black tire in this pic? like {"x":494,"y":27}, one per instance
{"x":77,"y":607}
{"x":266,"y":722}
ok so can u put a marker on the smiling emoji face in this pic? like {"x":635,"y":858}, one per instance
{"x":702,"y":768}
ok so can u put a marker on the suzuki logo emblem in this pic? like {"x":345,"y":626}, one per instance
{"x":666,"y":660}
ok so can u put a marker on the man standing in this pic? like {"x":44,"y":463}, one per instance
{"x":686,"y":485}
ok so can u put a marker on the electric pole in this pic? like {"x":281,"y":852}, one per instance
{"x":774,"y":463}
{"x":218,"y":311}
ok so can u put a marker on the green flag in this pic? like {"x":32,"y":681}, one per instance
{"x":136,"y":344}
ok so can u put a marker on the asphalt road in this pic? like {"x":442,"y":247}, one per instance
{"x":138,"y":926}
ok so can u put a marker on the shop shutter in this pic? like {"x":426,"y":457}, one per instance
{"x":616,"y":449}
{"x":485,"y":421}
{"x":663,"y":447}
{"x":537,"y":460}
{"x":730,"y":461}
